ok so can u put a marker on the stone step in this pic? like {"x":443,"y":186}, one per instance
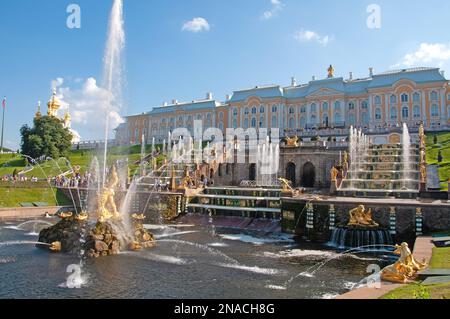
{"x":424,"y":274}
{"x":436,"y":280}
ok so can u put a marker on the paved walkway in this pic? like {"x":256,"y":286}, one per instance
{"x":423,"y":250}
{"x":28,"y":212}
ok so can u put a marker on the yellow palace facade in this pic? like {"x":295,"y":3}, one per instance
{"x":326,"y":107}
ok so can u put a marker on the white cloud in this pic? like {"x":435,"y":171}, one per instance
{"x":312,"y":36}
{"x":196,"y":25}
{"x":88,"y":105}
{"x":427,"y":53}
{"x":277,"y":6}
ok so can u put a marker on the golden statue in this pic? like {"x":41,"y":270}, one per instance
{"x":286,"y":184}
{"x":38,"y":114}
{"x":82,"y":216}
{"x":106,"y":205}
{"x":292,"y":141}
{"x":64,"y":215}
{"x":334,"y":174}
{"x":138,"y":216}
{"x":422,"y":137}
{"x":330,"y":71}
{"x":405,"y":268}
{"x":359,"y":217}
{"x":423,"y":173}
{"x":55,"y":246}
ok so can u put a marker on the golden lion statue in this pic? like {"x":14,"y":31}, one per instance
{"x":361,"y":218}
{"x":405,"y":268}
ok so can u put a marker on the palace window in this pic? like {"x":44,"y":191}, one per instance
{"x":434,"y":110}
{"x":274,"y":121}
{"x":246,"y":111}
{"x":416,"y":97}
{"x":393,"y":99}
{"x":199,"y":117}
{"x":434,"y":96}
{"x":337,"y":105}
{"x":291,"y":110}
{"x":234,"y":123}
{"x":377,"y":100}
{"x":261,"y":109}
{"x":378,"y":114}
{"x":235,"y":112}
{"x":352,"y":119}
{"x":254,"y":110}
{"x":313,"y":108}
{"x":405,"y":113}
{"x":325,"y":106}
{"x":404,"y":98}
{"x":245,"y":123}
{"x":274,"y":109}
{"x":313,"y":119}
{"x":337,"y":118}
{"x":253,"y":122}
{"x":221,"y":126}
{"x":393,"y":113}
{"x":325,"y":119}
{"x":303,"y":122}
{"x":261,"y":121}
{"x":364,"y":105}
{"x":365,"y":118}
{"x":291,"y":123}
{"x":303,"y":109}
{"x":220,"y":116}
{"x":351,"y":106}
{"x":416,"y":111}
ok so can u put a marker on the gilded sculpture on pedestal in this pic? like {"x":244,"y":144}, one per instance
{"x":334,"y":174}
{"x":359,"y":217}
{"x":405,"y":268}
{"x":107,"y":208}
{"x":292,"y":141}
{"x":423,"y":173}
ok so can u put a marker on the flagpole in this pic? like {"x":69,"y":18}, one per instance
{"x":3,"y":123}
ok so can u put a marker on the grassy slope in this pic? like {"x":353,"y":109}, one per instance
{"x":440,"y":260}
{"x":432,"y":155}
{"x":12,"y":197}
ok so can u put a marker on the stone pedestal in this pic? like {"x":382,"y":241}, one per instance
{"x":333,"y":188}
{"x":422,"y":187}
{"x":286,"y":194}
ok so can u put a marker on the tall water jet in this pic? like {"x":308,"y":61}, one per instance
{"x":113,"y":68}
{"x":406,"y":147}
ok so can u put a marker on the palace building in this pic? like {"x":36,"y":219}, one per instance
{"x":325,"y":107}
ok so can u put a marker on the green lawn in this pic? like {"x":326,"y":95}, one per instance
{"x":443,"y":144}
{"x":12,"y":197}
{"x":440,"y":260}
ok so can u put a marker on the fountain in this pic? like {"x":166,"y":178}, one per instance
{"x":380,"y":170}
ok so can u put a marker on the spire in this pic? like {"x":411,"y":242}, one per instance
{"x":330,"y":72}
{"x":53,"y":105}
{"x":67,"y":118}
{"x":38,"y":114}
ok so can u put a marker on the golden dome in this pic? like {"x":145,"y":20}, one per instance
{"x":53,"y":105}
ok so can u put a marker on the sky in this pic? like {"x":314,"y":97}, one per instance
{"x":182,"y":49}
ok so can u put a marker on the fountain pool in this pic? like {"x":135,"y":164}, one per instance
{"x":188,"y":262}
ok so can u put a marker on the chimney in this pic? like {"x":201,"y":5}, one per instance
{"x":371,"y":72}
{"x":209,"y":96}
{"x":351,"y":76}
{"x":174,"y":101}
{"x":313,"y":77}
{"x":228,"y":97}
{"x":293,"y":81}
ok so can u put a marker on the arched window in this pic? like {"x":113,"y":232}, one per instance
{"x":337,"y":105}
{"x":405,"y":113}
{"x":291,"y":123}
{"x":245,"y":123}
{"x":274,"y":109}
{"x":313,"y":119}
{"x":364,"y":105}
{"x":337,"y":118}
{"x":303,"y":109}
{"x":325,"y":119}
{"x":351,"y":105}
{"x":404,"y":98}
{"x":416,"y":97}
{"x":325,"y":106}
{"x":234,"y":123}
{"x":365,"y":118}
{"x":221,"y":126}
{"x":253,"y":122}
{"x":254,"y":110}
{"x":393,"y":99}
{"x":303,"y":122}
{"x":416,"y":111}
{"x":434,"y":96}
{"x":220,"y":116}
{"x":235,"y":112}
{"x":378,"y":114}
{"x":393,"y":113}
{"x":246,"y":111}
{"x":291,"y":110}
{"x":261,"y":121}
{"x":313,"y":108}
{"x":261,"y":109}
{"x":377,"y":100}
{"x":434,"y":110}
{"x":274,"y":121}
{"x":351,"y":119}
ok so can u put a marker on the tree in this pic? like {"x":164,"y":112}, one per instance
{"x":47,"y":137}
